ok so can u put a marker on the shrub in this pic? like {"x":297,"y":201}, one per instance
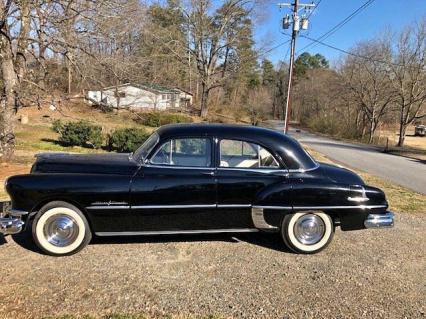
{"x":81,"y":133}
{"x":127,"y":139}
{"x":155,"y":119}
{"x":57,"y":126}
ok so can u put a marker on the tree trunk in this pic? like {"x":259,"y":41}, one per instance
{"x":371,"y":132}
{"x":8,"y":101}
{"x":204,"y":100}
{"x":402,"y":131}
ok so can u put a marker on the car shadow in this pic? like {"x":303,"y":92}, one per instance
{"x":25,"y":240}
{"x":2,"y":240}
{"x":266,"y":240}
{"x":270,"y":241}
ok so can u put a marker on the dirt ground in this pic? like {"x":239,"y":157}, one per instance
{"x":362,"y":274}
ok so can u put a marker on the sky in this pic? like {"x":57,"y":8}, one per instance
{"x":378,"y":17}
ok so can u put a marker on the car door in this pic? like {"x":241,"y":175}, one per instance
{"x":245,"y":169}
{"x":175,"y":190}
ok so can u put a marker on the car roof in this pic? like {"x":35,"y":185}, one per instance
{"x":286,"y":147}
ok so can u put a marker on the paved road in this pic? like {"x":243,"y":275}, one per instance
{"x":404,"y":171}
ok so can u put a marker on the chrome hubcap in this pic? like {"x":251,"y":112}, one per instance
{"x":60,"y":230}
{"x":309,"y":229}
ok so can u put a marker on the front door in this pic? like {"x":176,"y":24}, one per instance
{"x":176,"y":190}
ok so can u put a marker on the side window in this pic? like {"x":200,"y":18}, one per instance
{"x":195,"y":152}
{"x":242,"y":154}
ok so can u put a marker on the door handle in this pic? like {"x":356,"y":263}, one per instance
{"x":208,"y":173}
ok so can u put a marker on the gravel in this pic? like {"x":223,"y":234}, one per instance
{"x":362,"y":274}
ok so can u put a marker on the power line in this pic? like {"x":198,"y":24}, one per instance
{"x":339,"y":25}
{"x":350,"y":53}
{"x":312,"y":11}
{"x":275,"y":47}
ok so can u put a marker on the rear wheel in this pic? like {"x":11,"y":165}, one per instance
{"x":60,"y":229}
{"x":307,"y":232}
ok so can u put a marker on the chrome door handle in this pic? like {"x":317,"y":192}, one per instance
{"x":208,"y":173}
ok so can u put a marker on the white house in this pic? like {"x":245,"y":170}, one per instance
{"x":139,"y":96}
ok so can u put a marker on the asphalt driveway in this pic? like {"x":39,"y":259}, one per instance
{"x":403,"y":171}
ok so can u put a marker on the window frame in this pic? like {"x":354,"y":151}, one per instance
{"x":218,"y":159}
{"x":161,"y":143}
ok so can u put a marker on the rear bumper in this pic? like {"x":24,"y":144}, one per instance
{"x":385,"y":220}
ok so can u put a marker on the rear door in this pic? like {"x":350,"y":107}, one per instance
{"x":244,"y":170}
{"x":176,"y":190}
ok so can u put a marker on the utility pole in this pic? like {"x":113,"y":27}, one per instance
{"x":297,"y":24}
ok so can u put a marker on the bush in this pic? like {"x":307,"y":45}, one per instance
{"x":127,"y":139}
{"x":155,"y":119}
{"x":81,"y":133}
{"x":57,"y":126}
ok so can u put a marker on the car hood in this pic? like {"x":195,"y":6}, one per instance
{"x":108,"y":163}
{"x":339,"y":175}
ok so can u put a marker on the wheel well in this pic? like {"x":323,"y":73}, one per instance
{"x":39,"y":205}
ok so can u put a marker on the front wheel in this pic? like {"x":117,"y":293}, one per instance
{"x":60,"y":229}
{"x":307,"y":232}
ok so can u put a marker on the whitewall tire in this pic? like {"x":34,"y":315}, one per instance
{"x":60,"y":229}
{"x":307,"y":232}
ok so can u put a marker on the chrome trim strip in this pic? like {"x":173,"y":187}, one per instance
{"x":233,"y":205}
{"x":107,"y":207}
{"x":256,"y":170}
{"x":358,"y":199}
{"x":175,"y":232}
{"x":259,"y":219}
{"x":301,"y":170}
{"x":179,"y":167}
{"x":273,"y":207}
{"x":341,"y":207}
{"x":173,"y":206}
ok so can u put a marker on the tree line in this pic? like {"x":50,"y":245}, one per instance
{"x":379,"y":81}
{"x":51,"y":50}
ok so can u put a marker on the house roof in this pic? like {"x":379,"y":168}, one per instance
{"x":149,"y":87}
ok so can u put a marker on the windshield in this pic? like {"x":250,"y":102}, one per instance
{"x":142,"y":152}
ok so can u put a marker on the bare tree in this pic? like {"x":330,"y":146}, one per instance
{"x":213,"y":37}
{"x":258,"y":104}
{"x":366,"y":74}
{"x":409,"y":76}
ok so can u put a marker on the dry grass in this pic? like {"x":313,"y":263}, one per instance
{"x":400,"y":198}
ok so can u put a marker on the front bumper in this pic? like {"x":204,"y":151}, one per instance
{"x":11,"y":219}
{"x":385,"y":220}
{"x":11,"y":225}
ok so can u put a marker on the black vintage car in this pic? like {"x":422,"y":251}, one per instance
{"x":192,"y":178}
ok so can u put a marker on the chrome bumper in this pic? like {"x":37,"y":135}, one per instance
{"x":385,"y":220}
{"x":11,"y":225}
{"x":11,"y":219}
